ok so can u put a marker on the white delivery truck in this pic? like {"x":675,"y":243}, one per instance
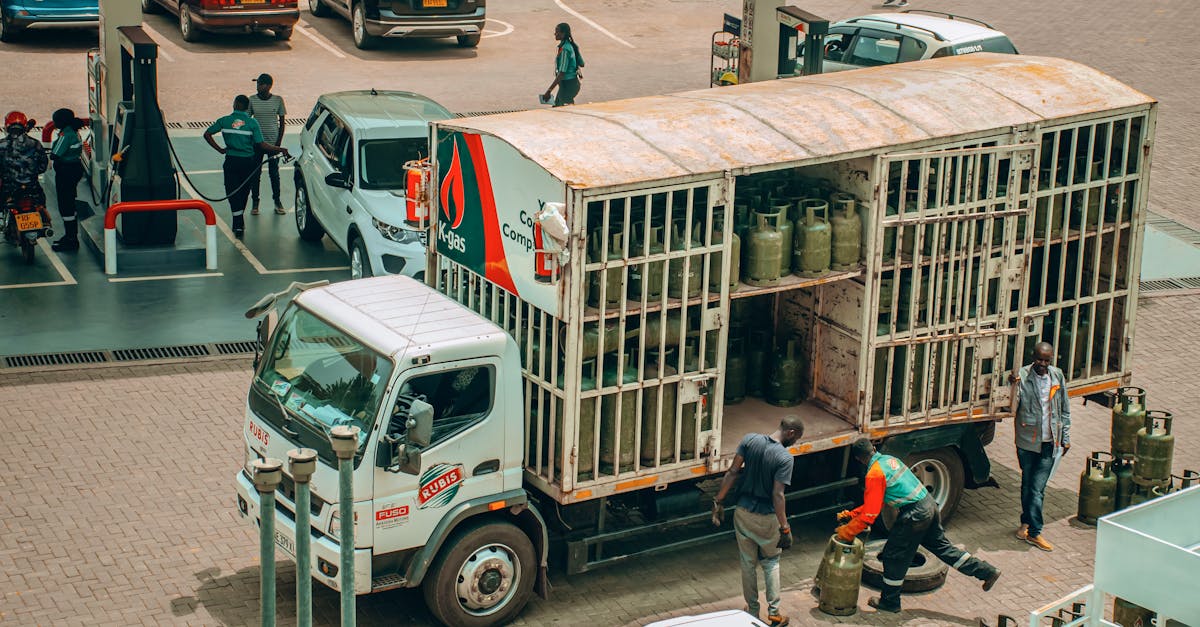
{"x":611,"y":306}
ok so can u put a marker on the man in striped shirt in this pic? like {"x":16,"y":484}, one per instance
{"x":268,"y":110}
{"x":241,"y":135}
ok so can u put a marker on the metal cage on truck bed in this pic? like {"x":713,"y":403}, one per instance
{"x":1002,"y":202}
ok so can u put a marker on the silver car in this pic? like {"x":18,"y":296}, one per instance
{"x":913,"y":35}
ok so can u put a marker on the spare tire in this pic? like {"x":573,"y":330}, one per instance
{"x":926,"y":573}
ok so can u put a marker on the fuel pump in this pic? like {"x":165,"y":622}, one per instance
{"x":770,"y":41}
{"x":793,"y":23}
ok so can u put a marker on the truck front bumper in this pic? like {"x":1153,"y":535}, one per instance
{"x":324,"y":550}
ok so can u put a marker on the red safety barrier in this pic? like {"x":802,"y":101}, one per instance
{"x":110,"y":226}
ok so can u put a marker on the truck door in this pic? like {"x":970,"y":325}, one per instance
{"x":947,"y":283}
{"x":462,"y":462}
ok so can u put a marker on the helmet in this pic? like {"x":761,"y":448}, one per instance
{"x":15,"y":118}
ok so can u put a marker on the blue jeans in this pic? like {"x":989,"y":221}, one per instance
{"x":1035,"y":471}
{"x":757,"y":537}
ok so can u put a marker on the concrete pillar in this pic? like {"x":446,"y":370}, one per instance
{"x":760,"y":41}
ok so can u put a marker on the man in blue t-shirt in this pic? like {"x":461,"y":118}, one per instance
{"x":761,"y":469}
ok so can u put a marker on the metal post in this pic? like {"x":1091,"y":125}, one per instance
{"x":302,"y":463}
{"x":345,"y":444}
{"x":267,"y":474}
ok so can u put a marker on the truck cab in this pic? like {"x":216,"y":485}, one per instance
{"x":397,"y":345}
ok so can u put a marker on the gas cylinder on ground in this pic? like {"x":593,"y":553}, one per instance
{"x":1129,"y":614}
{"x":649,"y":275}
{"x":658,"y":441}
{"x":684,"y":272}
{"x":1128,"y":416}
{"x":735,"y":257}
{"x":847,"y":232}
{"x":735,"y":371}
{"x":1123,"y":470}
{"x":1097,"y":488}
{"x":616,"y":408}
{"x":757,"y":354}
{"x":813,"y":247}
{"x":765,"y":250}
{"x":1155,"y":448}
{"x":787,"y":234}
{"x":839,"y":577}
{"x":783,"y":386}
{"x":610,"y":278}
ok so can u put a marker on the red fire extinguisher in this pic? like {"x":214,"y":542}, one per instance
{"x":416,"y":197}
{"x":545,"y":268}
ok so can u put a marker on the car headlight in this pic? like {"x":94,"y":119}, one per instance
{"x":397,"y":234}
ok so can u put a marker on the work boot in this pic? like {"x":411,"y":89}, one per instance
{"x":1023,"y":532}
{"x":1040,"y":543}
{"x":65,"y":244}
{"x":990,"y":580}
{"x":876,"y":603}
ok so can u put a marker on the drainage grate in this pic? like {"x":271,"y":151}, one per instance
{"x":475,"y":114}
{"x":236,"y":348}
{"x":55,"y":359}
{"x":1169,"y":285}
{"x":160,"y":352}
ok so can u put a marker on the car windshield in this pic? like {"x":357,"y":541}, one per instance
{"x":383,"y":160}
{"x":315,"y":376}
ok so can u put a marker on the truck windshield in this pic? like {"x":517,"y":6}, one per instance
{"x":315,"y":377}
{"x":383,"y":160}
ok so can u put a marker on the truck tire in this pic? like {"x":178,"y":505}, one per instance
{"x":306,"y":224}
{"x":941,"y":470}
{"x":927,"y":572}
{"x":483,"y":575}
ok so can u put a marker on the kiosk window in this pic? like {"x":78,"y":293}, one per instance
{"x":460,"y":398}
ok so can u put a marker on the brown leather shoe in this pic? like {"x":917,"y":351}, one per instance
{"x":1040,"y":543}
{"x":1023,"y":532}
{"x":778,"y":621}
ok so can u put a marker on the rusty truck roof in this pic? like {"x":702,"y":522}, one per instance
{"x":794,"y":120}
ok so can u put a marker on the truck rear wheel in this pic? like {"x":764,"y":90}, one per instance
{"x":941,"y":471}
{"x":483,"y":576}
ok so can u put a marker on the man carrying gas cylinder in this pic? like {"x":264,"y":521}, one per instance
{"x":918,"y":523}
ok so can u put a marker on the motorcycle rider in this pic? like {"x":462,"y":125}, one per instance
{"x":22,"y":160}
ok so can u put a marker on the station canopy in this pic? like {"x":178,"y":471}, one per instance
{"x":793,"y":120}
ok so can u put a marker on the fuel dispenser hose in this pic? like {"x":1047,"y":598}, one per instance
{"x":179,"y":167}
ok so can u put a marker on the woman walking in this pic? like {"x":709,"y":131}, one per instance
{"x":566,"y":68}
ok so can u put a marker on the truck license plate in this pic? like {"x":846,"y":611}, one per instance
{"x":428,"y":4}
{"x":29,"y":221}
{"x":287,"y":544}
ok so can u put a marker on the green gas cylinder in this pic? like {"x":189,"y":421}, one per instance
{"x":783,"y":385}
{"x":1081,"y":331}
{"x":735,"y":257}
{"x":757,"y":352}
{"x":1047,"y":217}
{"x":616,"y":407}
{"x":591,"y":339}
{"x":847,"y":233}
{"x":813,"y":249}
{"x":655,"y":436}
{"x":684,"y":271}
{"x":610,"y":278}
{"x":1155,"y":448}
{"x":735,"y":371}
{"x":1129,"y":614}
{"x":654,"y":329}
{"x":648,"y":275}
{"x":1123,"y":470}
{"x":839,"y":577}
{"x":587,"y":424}
{"x":1097,"y":488}
{"x":787,"y":234}
{"x":1128,"y":415}
{"x":765,"y":250}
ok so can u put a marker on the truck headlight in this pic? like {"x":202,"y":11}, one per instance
{"x":335,"y":522}
{"x":397,"y":234}
{"x":250,"y":456}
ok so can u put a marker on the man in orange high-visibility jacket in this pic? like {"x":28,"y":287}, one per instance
{"x":918,"y":523}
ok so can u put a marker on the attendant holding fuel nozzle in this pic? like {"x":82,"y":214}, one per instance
{"x":65,"y":153}
{"x":241,"y":135}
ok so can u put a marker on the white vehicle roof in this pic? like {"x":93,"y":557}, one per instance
{"x":774,"y":124}
{"x":952,"y":31}
{"x":399,"y":316}
{"x":385,"y":113}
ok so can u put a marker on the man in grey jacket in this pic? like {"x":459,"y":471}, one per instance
{"x":1043,"y":425}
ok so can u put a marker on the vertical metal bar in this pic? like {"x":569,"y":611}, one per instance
{"x":302,"y":463}
{"x":267,"y":473}
{"x":344,"y":441}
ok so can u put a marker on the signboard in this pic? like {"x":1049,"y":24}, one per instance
{"x":732,"y":25}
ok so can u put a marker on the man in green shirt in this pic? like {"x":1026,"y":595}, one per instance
{"x":242,"y":136}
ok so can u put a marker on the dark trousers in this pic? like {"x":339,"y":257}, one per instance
{"x":920,"y":524}
{"x":272,"y":174}
{"x":567,"y":90}
{"x":237,"y":171}
{"x":1035,"y":472}
{"x":66,"y":183}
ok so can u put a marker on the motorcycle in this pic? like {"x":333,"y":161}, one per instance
{"x":23,"y":223}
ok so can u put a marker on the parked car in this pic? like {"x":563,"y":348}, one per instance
{"x":18,"y":15}
{"x":237,"y":16}
{"x":350,"y":177}
{"x":912,"y":35}
{"x":371,"y":20}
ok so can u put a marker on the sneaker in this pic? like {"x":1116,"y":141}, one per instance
{"x":254,"y":209}
{"x":991,"y":579}
{"x":279,"y":208}
{"x":1023,"y":532}
{"x":778,"y":620}
{"x":1040,"y":543}
{"x":877,"y":604}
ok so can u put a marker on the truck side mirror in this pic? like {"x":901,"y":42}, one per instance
{"x":395,"y":455}
{"x":420,"y":423}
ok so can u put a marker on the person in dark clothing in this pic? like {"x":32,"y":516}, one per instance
{"x":65,"y":154}
{"x":242,"y":135}
{"x":764,"y":466}
{"x":918,"y":523}
{"x":22,"y":161}
{"x":567,"y":63}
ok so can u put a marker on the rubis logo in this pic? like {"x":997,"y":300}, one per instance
{"x":439,"y":484}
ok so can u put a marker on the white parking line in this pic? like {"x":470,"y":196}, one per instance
{"x":594,"y":25}
{"x":63,"y":273}
{"x":165,"y":277}
{"x":319,"y":39}
{"x":508,"y":28}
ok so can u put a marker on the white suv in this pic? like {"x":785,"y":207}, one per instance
{"x":912,"y":35}
{"x":350,"y":177}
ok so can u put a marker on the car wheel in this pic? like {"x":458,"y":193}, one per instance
{"x":941,"y":471}
{"x":8,"y":30}
{"x":283,"y":33}
{"x":149,"y":6}
{"x":360,"y":263}
{"x":468,"y":41}
{"x":318,"y":8}
{"x":926,"y":572}
{"x":310,"y":230}
{"x":358,"y":18}
{"x":484,"y":576}
{"x":187,"y":28}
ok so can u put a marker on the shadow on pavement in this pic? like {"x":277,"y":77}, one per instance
{"x":48,"y":40}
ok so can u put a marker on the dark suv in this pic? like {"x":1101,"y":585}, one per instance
{"x":373,"y":19}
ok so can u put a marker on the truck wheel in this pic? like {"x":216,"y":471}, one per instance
{"x":926,"y":572}
{"x":942,"y":472}
{"x":468,"y":41}
{"x":310,"y":230}
{"x":318,"y":8}
{"x":358,"y":25}
{"x":484,"y":576}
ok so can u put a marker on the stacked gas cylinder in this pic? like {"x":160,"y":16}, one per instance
{"x":758,"y":364}
{"x":1138,"y":467}
{"x":793,"y":225}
